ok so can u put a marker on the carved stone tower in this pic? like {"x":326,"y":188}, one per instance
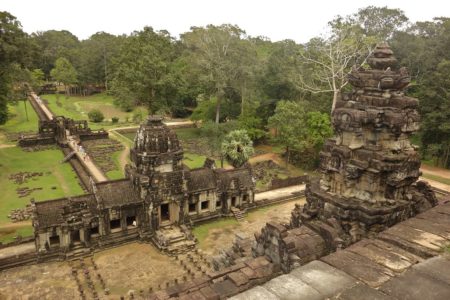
{"x":157,"y":171}
{"x":370,"y":168}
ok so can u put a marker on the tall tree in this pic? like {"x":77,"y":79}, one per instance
{"x":96,"y":58}
{"x":142,"y":73}
{"x":217,"y":52}
{"x":351,"y":40}
{"x":14,"y":53}
{"x":52,"y":45}
{"x":64,"y":72}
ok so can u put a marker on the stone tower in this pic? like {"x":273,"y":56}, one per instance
{"x":370,"y":168}
{"x":157,"y":172}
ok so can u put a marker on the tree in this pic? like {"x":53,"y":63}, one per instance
{"x":95,"y":116}
{"x":64,"y":72}
{"x":289,"y":125}
{"x":298,"y":130}
{"x":351,"y":40}
{"x":216,"y":53}
{"x":14,"y":54}
{"x":53,"y":44}
{"x":237,"y":147}
{"x":142,"y":74}
{"x":96,"y":58}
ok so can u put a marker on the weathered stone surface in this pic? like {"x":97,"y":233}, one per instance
{"x":391,"y":260}
{"x":256,"y":293}
{"x":362,"y":291}
{"x":324,"y":278}
{"x":225,"y":288}
{"x":359,"y":267}
{"x":415,"y":285}
{"x":420,"y":237}
{"x":290,"y":287}
{"x":436,"y":267}
{"x":369,"y":180}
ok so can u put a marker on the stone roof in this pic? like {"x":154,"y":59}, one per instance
{"x":117,"y":193}
{"x":51,"y":212}
{"x":241,"y":176}
{"x":201,"y":179}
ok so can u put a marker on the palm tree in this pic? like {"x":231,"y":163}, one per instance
{"x":237,"y":148}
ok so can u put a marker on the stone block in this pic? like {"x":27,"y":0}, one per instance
{"x":256,"y":293}
{"x":289,"y":287}
{"x":324,"y":278}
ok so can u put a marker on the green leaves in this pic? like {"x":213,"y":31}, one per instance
{"x":64,"y":72}
{"x":237,"y":147}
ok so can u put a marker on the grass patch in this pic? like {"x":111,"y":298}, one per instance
{"x":129,"y":135}
{"x":77,"y":107}
{"x":18,"y":118}
{"x":187,"y":133}
{"x":437,"y":178}
{"x":118,"y":172}
{"x":7,"y":234}
{"x":193,"y":160}
{"x":58,"y":180}
{"x":202,"y":231}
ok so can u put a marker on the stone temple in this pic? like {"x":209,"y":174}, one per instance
{"x":155,"y":202}
{"x":369,"y":170}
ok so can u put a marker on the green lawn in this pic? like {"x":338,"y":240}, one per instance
{"x":437,"y":178}
{"x":7,"y":234}
{"x":58,"y":179}
{"x":77,"y":107}
{"x":118,"y":172}
{"x":187,"y":133}
{"x":18,"y":118}
{"x":193,"y":160}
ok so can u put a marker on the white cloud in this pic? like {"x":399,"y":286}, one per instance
{"x":276,"y":19}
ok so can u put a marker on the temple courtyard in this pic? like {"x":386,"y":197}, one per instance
{"x":135,"y":268}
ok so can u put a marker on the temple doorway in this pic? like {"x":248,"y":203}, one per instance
{"x":76,"y":237}
{"x":165,"y":213}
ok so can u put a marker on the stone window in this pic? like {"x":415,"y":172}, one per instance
{"x":218,"y":204}
{"x":131,"y":221}
{"x":192,"y":208}
{"x":114,"y":225}
{"x":233,"y":201}
{"x":205,"y":205}
{"x":94,"y":231}
{"x":54,"y":240}
{"x":245,"y":198}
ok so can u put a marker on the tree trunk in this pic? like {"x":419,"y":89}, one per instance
{"x":106,"y":70}
{"x":335,"y":97}
{"x":218,"y":109}
{"x":447,"y":154}
{"x":287,"y":157}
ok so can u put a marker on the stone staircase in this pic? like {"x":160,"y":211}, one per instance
{"x":172,"y":240}
{"x":238,"y":214}
{"x":77,"y":252}
{"x":68,"y":156}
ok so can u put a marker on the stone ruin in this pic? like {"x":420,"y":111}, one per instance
{"x":369,"y":170}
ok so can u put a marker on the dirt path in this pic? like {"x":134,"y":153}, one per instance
{"x":15,"y":225}
{"x":123,"y":158}
{"x":435,"y":171}
{"x":3,"y":146}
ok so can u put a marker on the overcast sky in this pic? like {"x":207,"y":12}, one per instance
{"x":277,"y":19}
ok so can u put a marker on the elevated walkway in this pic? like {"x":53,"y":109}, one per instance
{"x":406,"y":261}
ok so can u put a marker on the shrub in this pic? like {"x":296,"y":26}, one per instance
{"x":115,"y":119}
{"x":95,"y":116}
